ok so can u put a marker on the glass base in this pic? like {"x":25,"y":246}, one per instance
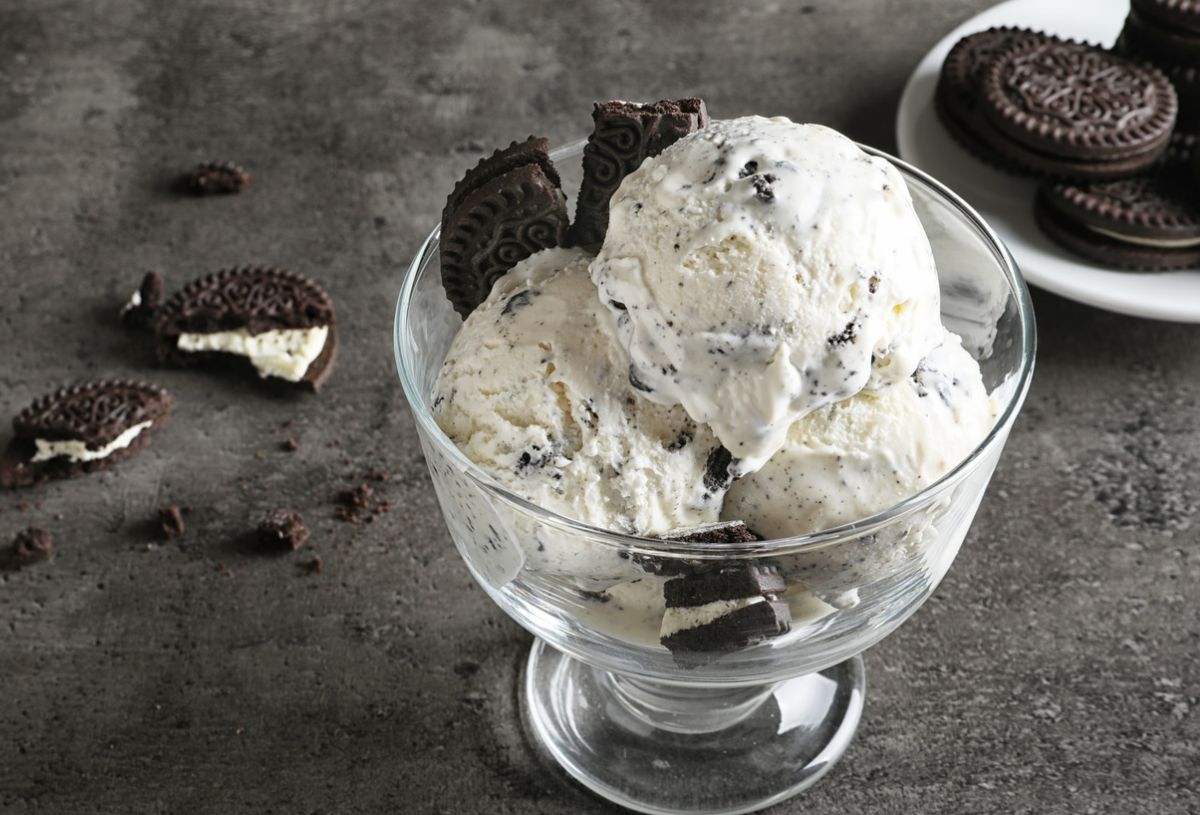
{"x":663,"y":748}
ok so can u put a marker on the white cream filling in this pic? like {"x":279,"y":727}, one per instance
{"x":1158,"y":243}
{"x":78,"y":451}
{"x":680,"y":619}
{"x":285,"y":353}
{"x":134,"y":302}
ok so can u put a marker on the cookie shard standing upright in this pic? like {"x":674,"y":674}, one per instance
{"x":724,"y":607}
{"x":624,"y":135}
{"x":504,"y":209}
{"x":82,"y":428}
{"x":282,"y":323}
{"x":1072,"y":110}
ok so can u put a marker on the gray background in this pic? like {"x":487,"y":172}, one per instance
{"x":1056,"y":669}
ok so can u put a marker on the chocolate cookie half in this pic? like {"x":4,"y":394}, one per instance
{"x":624,"y":134}
{"x":1147,"y":223}
{"x":504,"y":209}
{"x":1073,"y":110}
{"x":723,"y":608}
{"x":280,"y":322}
{"x":81,"y":429}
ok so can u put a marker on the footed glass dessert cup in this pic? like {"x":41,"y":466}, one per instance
{"x":728,"y":731}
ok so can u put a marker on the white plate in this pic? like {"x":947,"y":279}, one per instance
{"x":1006,"y":201}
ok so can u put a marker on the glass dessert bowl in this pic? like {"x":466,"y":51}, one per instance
{"x":721,"y":727}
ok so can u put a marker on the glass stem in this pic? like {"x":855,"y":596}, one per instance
{"x":684,"y":708}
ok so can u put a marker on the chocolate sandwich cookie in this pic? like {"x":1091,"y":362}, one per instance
{"x":1144,"y":38}
{"x":1178,"y":15}
{"x":282,"y":323}
{"x":723,"y":608}
{"x":1147,"y":223}
{"x":719,"y":532}
{"x":504,"y":209}
{"x":1174,"y":50}
{"x":957,"y":97}
{"x":624,"y":134}
{"x":1071,"y":110}
{"x":81,"y":429}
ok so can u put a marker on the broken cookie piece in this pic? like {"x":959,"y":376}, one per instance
{"x":504,"y":209}
{"x":281,"y":323}
{"x":81,"y":429}
{"x":625,"y":134}
{"x":30,"y":546}
{"x":722,"y":608}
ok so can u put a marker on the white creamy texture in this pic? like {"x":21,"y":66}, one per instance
{"x":78,"y":451}
{"x":1158,"y":243}
{"x":535,"y":390}
{"x":284,"y":353}
{"x":760,"y":269}
{"x":679,"y":619}
{"x":857,"y":457}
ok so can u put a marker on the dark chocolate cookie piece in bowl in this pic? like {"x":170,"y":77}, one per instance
{"x":624,"y":134}
{"x":504,"y":209}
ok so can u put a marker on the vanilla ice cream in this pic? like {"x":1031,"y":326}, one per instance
{"x":760,"y":269}
{"x":535,"y":390}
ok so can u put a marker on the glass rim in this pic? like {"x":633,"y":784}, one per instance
{"x":776,"y":546}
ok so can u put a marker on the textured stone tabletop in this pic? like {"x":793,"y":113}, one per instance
{"x":1057,"y":669}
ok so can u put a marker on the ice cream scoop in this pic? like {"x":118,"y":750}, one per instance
{"x":760,"y":269}
{"x":535,"y":390}
{"x":847,"y":461}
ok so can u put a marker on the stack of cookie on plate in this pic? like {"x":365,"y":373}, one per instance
{"x":1166,"y":33}
{"x":1100,"y":128}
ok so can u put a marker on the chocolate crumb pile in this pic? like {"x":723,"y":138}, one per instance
{"x":30,"y":546}
{"x":222,"y":177}
{"x":282,"y":529}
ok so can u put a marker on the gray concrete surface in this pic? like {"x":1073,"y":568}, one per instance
{"x":1056,"y":670}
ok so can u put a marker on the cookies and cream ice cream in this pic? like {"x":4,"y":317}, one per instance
{"x":535,"y":390}
{"x":859,"y":456}
{"x":759,"y":338}
{"x":760,"y":269}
